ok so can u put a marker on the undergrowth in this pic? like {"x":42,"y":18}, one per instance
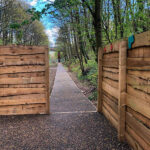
{"x":91,"y":75}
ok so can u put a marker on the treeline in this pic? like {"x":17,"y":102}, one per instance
{"x":17,"y":25}
{"x":86,"y":25}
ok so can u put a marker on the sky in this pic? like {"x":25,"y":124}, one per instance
{"x":50,"y":28}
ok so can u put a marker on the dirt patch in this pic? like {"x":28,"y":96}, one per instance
{"x":84,"y":86}
{"x":52,"y":77}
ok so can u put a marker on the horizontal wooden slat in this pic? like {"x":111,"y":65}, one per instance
{"x":21,"y":50}
{"x":22,"y":101}
{"x":138,"y":127}
{"x":19,"y":62}
{"x":111,"y":82}
{"x":23,"y":80}
{"x":134,"y":144}
{"x":138,"y":83}
{"x":23,"y":97}
{"x":112,"y":91}
{"x":115,"y":100}
{"x":139,"y":140}
{"x":21,"y":69}
{"x":144,"y":68}
{"x":138,"y":62}
{"x":142,"y":74}
{"x":142,"y":39}
{"x":23,"y":57}
{"x":20,"y":91}
{"x":111,"y":55}
{"x":144,"y":88}
{"x":138,"y":93}
{"x":110,"y":110}
{"x":112,"y":63}
{"x":110,"y":102}
{"x":23,"y":86}
{"x":138,"y":104}
{"x":113,"y":70}
{"x":23,"y":109}
{"x":142,"y":52}
{"x":110,"y":75}
{"x":133,"y":80}
{"x":139,"y":116}
{"x":25,"y":74}
{"x":109,"y":117}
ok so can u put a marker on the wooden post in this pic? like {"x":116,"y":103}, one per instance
{"x":47,"y":81}
{"x":99,"y":99}
{"x":122,"y":89}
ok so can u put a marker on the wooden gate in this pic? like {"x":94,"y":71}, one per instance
{"x":24,"y":80}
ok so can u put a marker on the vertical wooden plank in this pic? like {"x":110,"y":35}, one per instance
{"x":47,"y":77}
{"x":99,"y":99}
{"x":122,"y":89}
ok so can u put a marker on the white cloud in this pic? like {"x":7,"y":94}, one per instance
{"x":52,"y":35}
{"x":33,"y":3}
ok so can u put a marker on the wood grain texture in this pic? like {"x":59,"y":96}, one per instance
{"x":109,"y":117}
{"x":111,"y":55}
{"x":137,"y":138}
{"x":140,"y":52}
{"x":110,"y":75}
{"x":22,"y":60}
{"x":142,"y":74}
{"x":111,"y":62}
{"x":110,"y":102}
{"x":99,"y":89}
{"x":22,"y":69}
{"x":138,"y":127}
{"x":113,"y":70}
{"x":138,"y":104}
{"x":138,"y":94}
{"x":24,"y":80}
{"x":113,"y":83}
{"x":20,"y":91}
{"x":110,"y":110}
{"x":23,"y":109}
{"x":134,"y":144}
{"x":122,"y":90}
{"x":139,"y":117}
{"x":24,"y":50}
{"x":21,"y":75}
{"x":47,"y":82}
{"x":112,"y":91}
{"x":142,"y":39}
{"x":23,"y":86}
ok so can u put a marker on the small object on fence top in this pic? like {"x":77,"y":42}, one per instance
{"x":130,"y":41}
{"x":104,"y":49}
{"x":111,"y":47}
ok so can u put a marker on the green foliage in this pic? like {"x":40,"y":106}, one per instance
{"x":91,"y":76}
{"x":15,"y":26}
{"x":93,"y":96}
{"x":21,"y":25}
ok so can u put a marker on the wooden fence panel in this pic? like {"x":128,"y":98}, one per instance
{"x":24,"y":80}
{"x":125,"y":89}
{"x":138,"y":92}
{"x":108,"y":84}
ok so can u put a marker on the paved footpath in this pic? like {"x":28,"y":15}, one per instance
{"x":73,"y":124}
